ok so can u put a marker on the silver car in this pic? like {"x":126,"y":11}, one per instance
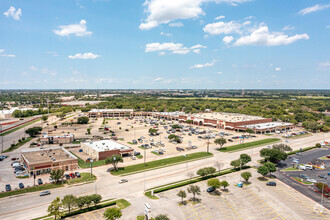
{"x":45,"y":193}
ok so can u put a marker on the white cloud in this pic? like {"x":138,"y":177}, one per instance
{"x":219,"y":73}
{"x":172,"y":47}
{"x":166,"y":11}
{"x":224,"y":28}
{"x":220,"y":17}
{"x":288,"y":27}
{"x":197,"y":50}
{"x":324,"y":64}
{"x":163,"y":81}
{"x":166,"y":34}
{"x":33,"y":68}
{"x":84,"y":56}
{"x":176,"y":24}
{"x":43,"y":70}
{"x":312,"y":9}
{"x":52,"y":53}
{"x":16,"y":14}
{"x":198,"y":66}
{"x":228,"y":39}
{"x":277,"y":69}
{"x":6,"y":55}
{"x":262,"y":36}
{"x":79,"y":30}
{"x":328,"y":26}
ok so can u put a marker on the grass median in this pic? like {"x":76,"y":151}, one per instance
{"x":252,"y":144}
{"x":161,"y":163}
{"x":19,"y":127}
{"x":83,"y":164}
{"x":19,"y":144}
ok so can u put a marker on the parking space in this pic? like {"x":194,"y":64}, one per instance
{"x":256,"y":201}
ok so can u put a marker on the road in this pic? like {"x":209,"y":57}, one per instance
{"x":31,"y":205}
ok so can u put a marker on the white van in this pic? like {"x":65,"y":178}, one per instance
{"x":308,"y":167}
{"x":302,"y":167}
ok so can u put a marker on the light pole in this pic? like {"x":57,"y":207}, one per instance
{"x":91,"y":168}
{"x":1,"y":139}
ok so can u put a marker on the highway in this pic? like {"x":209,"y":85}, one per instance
{"x":31,"y":205}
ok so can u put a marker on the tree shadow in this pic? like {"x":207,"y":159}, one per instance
{"x":262,"y":178}
{"x":195,"y":200}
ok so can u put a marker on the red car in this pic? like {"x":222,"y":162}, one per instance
{"x":72,"y":175}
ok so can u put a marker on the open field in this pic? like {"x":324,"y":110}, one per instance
{"x":313,"y":97}
{"x":209,"y":98}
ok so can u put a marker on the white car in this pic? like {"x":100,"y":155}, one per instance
{"x":123,"y":181}
{"x":311,"y":180}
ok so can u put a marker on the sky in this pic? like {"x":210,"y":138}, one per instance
{"x":164,"y":44}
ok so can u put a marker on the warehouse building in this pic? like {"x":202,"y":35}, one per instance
{"x":99,"y":150}
{"x":42,"y":161}
{"x":110,"y":113}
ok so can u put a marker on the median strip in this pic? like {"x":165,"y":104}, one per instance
{"x":248,"y":145}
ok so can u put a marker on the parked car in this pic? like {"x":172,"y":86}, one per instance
{"x":271,"y":184}
{"x":8,"y":187}
{"x":303,"y":176}
{"x":123,"y":181}
{"x":210,"y":189}
{"x":40,"y":181}
{"x":45,"y":193}
{"x":311,"y":180}
{"x":21,"y":185}
{"x":72,"y":175}
{"x":67,"y":176}
{"x":323,"y":176}
{"x":230,"y":140}
{"x":77,"y":174}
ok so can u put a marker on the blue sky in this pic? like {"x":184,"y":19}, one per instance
{"x":164,"y":44}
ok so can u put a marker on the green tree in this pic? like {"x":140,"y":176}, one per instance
{"x":112,"y":213}
{"x":206,"y":171}
{"x":282,"y":147}
{"x":182,"y":194}
{"x":96,"y":199}
{"x":245,"y":159}
{"x":176,"y":126}
{"x":114,"y":160}
{"x":249,"y":130}
{"x":162,"y":217}
{"x":195,"y":190}
{"x":236,"y":163}
{"x":246,"y":176}
{"x":215,"y":183}
{"x":69,"y":201}
{"x":152,"y":131}
{"x":271,"y":167}
{"x":82,"y":120}
{"x":273,"y":155}
{"x":224,"y":184}
{"x":57,"y":175}
{"x":32,"y":132}
{"x":55,"y":208}
{"x":220,"y":141}
{"x":44,"y":117}
{"x":263,"y":170}
{"x":175,"y":138}
{"x":81,"y":201}
{"x":88,"y":200}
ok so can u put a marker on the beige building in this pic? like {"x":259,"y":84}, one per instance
{"x":63,"y":139}
{"x":100,"y":150}
{"x":42,"y":161}
{"x":109,"y":113}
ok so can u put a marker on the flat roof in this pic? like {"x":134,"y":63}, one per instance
{"x":106,"y":145}
{"x":38,"y":155}
{"x":223,"y":116}
{"x":111,"y":110}
{"x":59,"y":136}
{"x":267,"y":125}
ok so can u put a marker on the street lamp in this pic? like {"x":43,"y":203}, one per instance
{"x":91,"y":161}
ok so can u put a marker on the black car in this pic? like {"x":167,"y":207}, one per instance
{"x":21,"y":185}
{"x":40,"y":181}
{"x":271,"y":184}
{"x":77,"y":174}
{"x":8,"y":187}
{"x":230,"y":140}
{"x":67,"y":176}
{"x":210,"y":189}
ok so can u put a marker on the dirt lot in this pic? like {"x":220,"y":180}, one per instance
{"x":256,"y":201}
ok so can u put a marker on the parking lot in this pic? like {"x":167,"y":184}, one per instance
{"x":256,"y":201}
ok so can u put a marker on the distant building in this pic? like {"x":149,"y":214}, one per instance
{"x":8,"y":113}
{"x":80,"y":103}
{"x":63,"y":139}
{"x":42,"y":161}
{"x":99,"y":150}
{"x":109,"y":113}
{"x":66,"y":99}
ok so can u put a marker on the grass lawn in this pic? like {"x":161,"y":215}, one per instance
{"x":300,"y":180}
{"x":139,"y":156}
{"x":140,"y":217}
{"x":31,"y":189}
{"x":18,"y":145}
{"x":325,"y":158}
{"x":290,"y":169}
{"x":252,"y":144}
{"x":155,"y":153}
{"x":85,"y":177}
{"x":161,"y":163}
{"x":83,"y":164}
{"x":19,"y":127}
{"x":122,"y":203}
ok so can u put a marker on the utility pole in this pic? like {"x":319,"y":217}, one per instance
{"x":145,"y":157}
{"x":91,"y":168}
{"x":2,"y":136}
{"x":208,"y":142}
